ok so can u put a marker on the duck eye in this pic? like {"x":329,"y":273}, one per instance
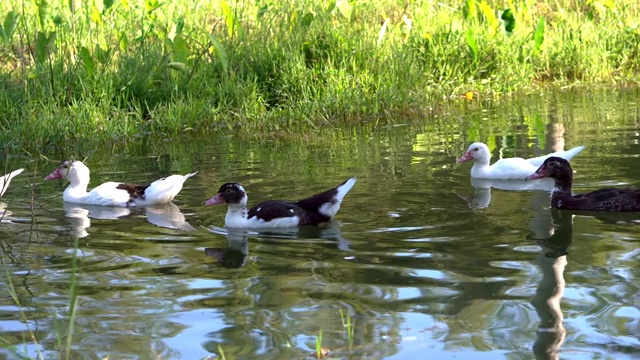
{"x":475,"y":149}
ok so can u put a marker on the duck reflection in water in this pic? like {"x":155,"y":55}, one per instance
{"x":79,"y":216}
{"x":5,"y":213}
{"x":235,"y":254}
{"x":552,"y":260}
{"x":482,"y":189}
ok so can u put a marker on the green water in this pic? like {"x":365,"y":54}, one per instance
{"x":423,"y":263}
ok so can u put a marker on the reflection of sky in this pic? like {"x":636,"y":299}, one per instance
{"x":197,"y":324}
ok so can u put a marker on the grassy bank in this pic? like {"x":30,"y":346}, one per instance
{"x":121,"y":69}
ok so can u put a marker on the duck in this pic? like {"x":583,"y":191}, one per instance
{"x":111,"y":193}
{"x":6,"y":180}
{"x":510,"y":168}
{"x":605,"y":199}
{"x":313,"y":210}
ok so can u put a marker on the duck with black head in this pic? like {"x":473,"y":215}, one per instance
{"x":313,"y":210}
{"x":605,"y":199}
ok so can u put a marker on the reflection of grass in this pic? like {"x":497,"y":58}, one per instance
{"x":73,"y":304}
{"x":64,"y":337}
{"x":221,"y":353}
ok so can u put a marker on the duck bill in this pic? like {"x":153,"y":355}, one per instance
{"x":540,"y":173}
{"x":466,"y":157}
{"x":215,"y":200}
{"x":54,"y":175}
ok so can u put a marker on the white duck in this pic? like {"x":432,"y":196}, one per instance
{"x":510,"y":168}
{"x":111,"y":193}
{"x":5,"y":180}
{"x":313,"y":210}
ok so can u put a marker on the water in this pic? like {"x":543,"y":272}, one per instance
{"x":420,"y":260}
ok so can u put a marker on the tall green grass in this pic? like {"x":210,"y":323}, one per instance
{"x":75,"y":70}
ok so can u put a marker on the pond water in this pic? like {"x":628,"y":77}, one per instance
{"x":418,"y":260}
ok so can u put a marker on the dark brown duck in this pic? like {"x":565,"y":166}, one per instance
{"x":606,"y":199}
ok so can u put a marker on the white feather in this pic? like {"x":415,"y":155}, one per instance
{"x":6,"y":180}
{"x":330,"y":209}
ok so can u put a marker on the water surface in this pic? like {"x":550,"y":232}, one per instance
{"x":420,"y":260}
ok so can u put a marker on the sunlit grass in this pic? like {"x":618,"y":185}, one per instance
{"x":119,"y":70}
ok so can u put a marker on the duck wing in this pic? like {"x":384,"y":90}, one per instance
{"x":107,"y":194}
{"x":509,"y":169}
{"x":162,"y":190}
{"x":327,"y":203}
{"x":567,"y":155}
{"x":135,"y":191}
{"x":272,"y":210}
{"x":612,"y":199}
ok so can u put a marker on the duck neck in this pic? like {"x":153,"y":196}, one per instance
{"x":562,"y":185}
{"x":76,"y":190}
{"x":561,"y":193}
{"x":236,"y":212}
{"x":480,"y":169}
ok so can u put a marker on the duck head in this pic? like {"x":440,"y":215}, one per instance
{"x":556,"y":168}
{"x":231,"y":194}
{"x":477,"y":152}
{"x":73,"y":171}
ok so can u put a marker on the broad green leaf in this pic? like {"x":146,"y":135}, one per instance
{"x":168,"y":44}
{"x":43,"y":12}
{"x":470,"y":9}
{"x":221,"y":53}
{"x":234,"y":28}
{"x":229,"y":18}
{"x":123,"y":42}
{"x":508,"y":20}
{"x":538,"y":35}
{"x":179,"y":25}
{"x":107,"y":4}
{"x":10,"y":24}
{"x":180,"y":50}
{"x":345,"y":8}
{"x":96,"y":15}
{"x":472,"y":43}
{"x":151,"y":5}
{"x":102,"y":55}
{"x":45,"y":44}
{"x":306,"y":20}
{"x":87,"y":60}
{"x":176,"y":28}
{"x":263,"y":10}
{"x":488,"y":15}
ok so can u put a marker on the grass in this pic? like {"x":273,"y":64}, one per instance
{"x":349,"y":327}
{"x":109,"y":70}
